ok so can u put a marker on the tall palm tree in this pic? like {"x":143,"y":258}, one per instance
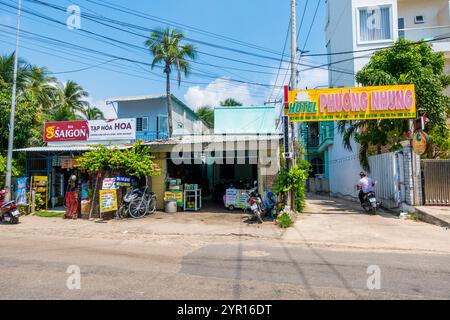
{"x":166,"y":48}
{"x":42,"y":87}
{"x":70,"y":99}
{"x":92,"y":113}
{"x":7,"y":71}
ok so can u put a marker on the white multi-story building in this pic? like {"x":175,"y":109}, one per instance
{"x":356,"y":28}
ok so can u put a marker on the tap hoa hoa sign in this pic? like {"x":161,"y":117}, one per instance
{"x":359,"y":103}
{"x":90,"y":130}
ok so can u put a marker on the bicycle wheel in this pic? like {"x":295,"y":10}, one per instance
{"x":152,"y":205}
{"x":123,"y":212}
{"x":138,"y":208}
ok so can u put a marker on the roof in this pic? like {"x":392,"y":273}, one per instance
{"x":136,"y":98}
{"x":69,"y":148}
{"x":154,"y":97}
{"x":213,"y":138}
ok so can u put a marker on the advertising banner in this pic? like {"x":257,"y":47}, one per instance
{"x":21,"y":198}
{"x":109,"y":183}
{"x":66,"y":131}
{"x":359,"y":103}
{"x":174,"y":196}
{"x":108,"y":200}
{"x":123,"y":182}
{"x":119,"y":129}
{"x":92,"y":130}
{"x":236,"y":198}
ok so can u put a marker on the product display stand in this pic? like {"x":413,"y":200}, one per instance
{"x":192,"y":200}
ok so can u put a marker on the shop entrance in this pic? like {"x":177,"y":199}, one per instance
{"x":212,"y":178}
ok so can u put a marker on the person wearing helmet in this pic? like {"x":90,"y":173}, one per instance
{"x":364,"y":186}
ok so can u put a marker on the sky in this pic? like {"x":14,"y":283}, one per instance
{"x":107,"y":56}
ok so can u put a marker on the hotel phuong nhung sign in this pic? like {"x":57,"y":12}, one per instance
{"x":358,"y":103}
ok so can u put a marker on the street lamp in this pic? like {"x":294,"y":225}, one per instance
{"x":8,"y":195}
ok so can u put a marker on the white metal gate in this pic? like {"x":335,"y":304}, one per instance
{"x":387,"y":170}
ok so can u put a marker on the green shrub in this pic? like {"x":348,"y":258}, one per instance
{"x":284,"y":220}
{"x":39,"y":202}
{"x":294,"y":180}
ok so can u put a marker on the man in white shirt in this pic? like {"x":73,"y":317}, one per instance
{"x":365,"y":186}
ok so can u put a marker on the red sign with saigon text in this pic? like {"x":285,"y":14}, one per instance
{"x":66,"y":131}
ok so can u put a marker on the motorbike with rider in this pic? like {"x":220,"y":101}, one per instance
{"x":366,"y":194}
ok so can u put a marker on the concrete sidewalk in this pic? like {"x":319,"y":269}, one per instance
{"x":333,"y":222}
{"x":439,"y":216}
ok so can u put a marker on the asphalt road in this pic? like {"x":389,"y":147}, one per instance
{"x":34,"y":267}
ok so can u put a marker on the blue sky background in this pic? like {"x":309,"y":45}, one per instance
{"x":263,"y":23}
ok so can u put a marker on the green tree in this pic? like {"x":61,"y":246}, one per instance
{"x":70,"y":99}
{"x":15,"y":170}
{"x":7,"y":71}
{"x":167,"y":48}
{"x":206,"y":113}
{"x":28,"y":119}
{"x":92,"y":113}
{"x":404,"y":62}
{"x":42,"y":87}
{"x":230,"y":103}
{"x":135,"y":162}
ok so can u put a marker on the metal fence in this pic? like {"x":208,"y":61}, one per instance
{"x":387,"y":170}
{"x":436,"y":182}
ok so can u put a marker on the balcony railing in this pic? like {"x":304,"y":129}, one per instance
{"x":151,"y":135}
{"x":434,"y":33}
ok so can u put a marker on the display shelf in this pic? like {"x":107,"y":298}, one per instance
{"x":192,"y":200}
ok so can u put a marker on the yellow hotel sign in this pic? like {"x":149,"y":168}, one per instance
{"x":359,"y":103}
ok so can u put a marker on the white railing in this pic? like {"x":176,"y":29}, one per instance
{"x":437,"y":33}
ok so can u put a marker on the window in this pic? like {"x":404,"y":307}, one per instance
{"x":142,"y":124}
{"x":401,"y":28}
{"x":162,"y":126}
{"x":375,"y":24}
{"x":419,"y":19}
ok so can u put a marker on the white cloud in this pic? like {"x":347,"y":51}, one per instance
{"x":313,"y":78}
{"x":107,"y":109}
{"x":217,"y":91}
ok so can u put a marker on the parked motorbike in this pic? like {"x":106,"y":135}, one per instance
{"x":255,"y":203}
{"x":124,"y":209}
{"x":8,"y":210}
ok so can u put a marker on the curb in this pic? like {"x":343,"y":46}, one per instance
{"x":428,"y":218}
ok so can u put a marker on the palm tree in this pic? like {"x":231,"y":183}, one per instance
{"x":230,"y":103}
{"x":92,"y":113}
{"x":166,"y":48}
{"x":206,"y":113}
{"x":70,"y":99}
{"x":7,"y":71}
{"x":42,"y":87}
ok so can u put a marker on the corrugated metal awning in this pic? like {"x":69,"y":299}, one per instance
{"x":68,"y":148}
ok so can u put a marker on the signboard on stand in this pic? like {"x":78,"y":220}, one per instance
{"x":108,"y":200}
{"x":21,"y":198}
{"x":109,"y":183}
{"x":358,"y":103}
{"x":123,"y":182}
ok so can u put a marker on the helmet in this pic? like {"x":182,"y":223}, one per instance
{"x":270,"y":194}
{"x":362,"y":174}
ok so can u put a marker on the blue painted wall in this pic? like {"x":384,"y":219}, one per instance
{"x":244,"y":120}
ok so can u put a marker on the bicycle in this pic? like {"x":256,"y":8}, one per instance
{"x":124,"y":209}
{"x":142,"y":204}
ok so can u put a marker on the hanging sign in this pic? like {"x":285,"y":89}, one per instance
{"x":108,"y":200}
{"x":358,"y":103}
{"x":123,"y":182}
{"x":420,"y":142}
{"x":109,"y":183}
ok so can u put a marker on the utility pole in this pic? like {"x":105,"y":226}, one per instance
{"x":293,"y":86}
{"x":8,"y":189}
